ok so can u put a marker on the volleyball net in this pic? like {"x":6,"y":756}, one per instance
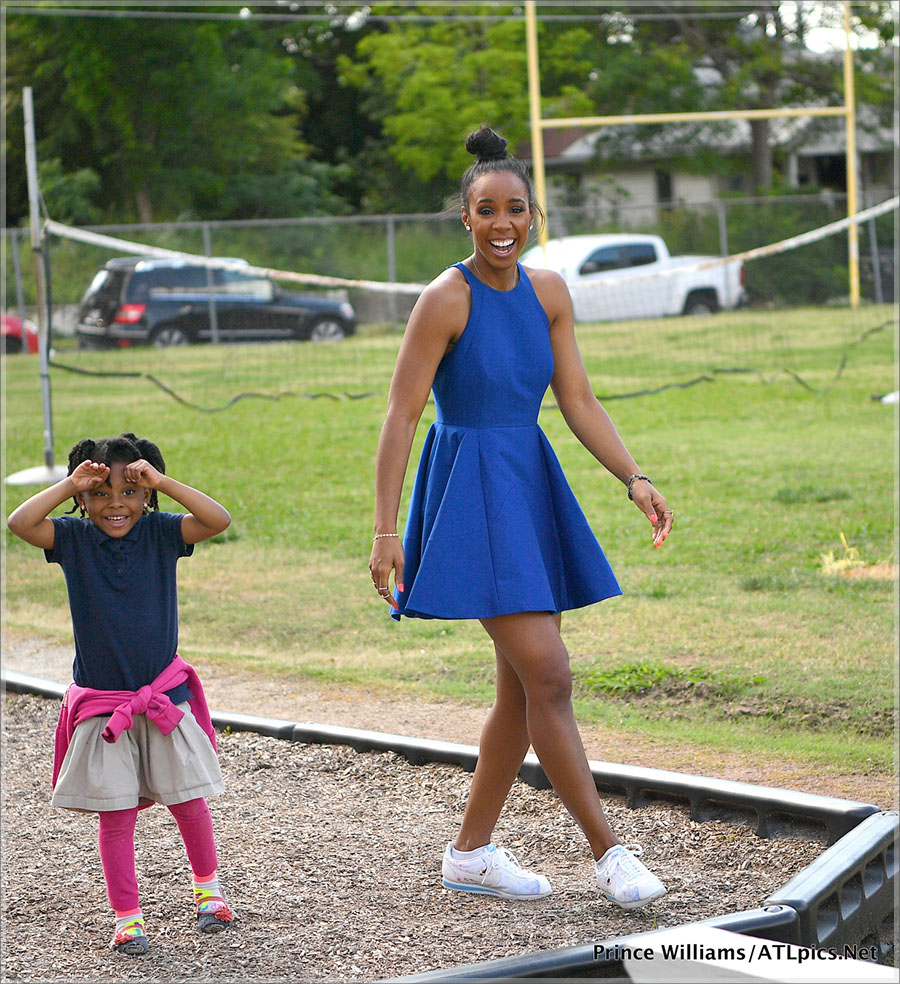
{"x":640,"y":331}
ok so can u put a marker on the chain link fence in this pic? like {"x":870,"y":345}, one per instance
{"x":413,"y":248}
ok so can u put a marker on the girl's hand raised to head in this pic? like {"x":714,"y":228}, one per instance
{"x":89,"y":475}
{"x":142,"y":473}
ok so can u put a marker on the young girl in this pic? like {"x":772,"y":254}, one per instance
{"x":134,"y":727}
{"x":494,"y":531}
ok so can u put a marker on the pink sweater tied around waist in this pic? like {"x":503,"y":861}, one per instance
{"x":81,"y":703}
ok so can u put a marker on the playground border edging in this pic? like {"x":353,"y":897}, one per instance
{"x":844,"y":898}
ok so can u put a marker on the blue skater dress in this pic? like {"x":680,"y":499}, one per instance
{"x":493,"y":527}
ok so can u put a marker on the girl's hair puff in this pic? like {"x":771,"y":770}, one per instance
{"x":490,"y":153}
{"x":112,"y":450}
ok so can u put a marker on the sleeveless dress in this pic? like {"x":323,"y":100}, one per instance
{"x":493,"y":527}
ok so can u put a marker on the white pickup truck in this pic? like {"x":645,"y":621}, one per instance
{"x":615,"y":277}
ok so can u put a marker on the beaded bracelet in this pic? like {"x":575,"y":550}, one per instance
{"x":379,"y":535}
{"x":634,"y":478}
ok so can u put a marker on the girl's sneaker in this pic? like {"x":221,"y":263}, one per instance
{"x":131,"y":939}
{"x":495,"y":871}
{"x":213,"y":915}
{"x":623,"y":879}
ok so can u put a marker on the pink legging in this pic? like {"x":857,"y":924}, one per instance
{"x":116,"y":842}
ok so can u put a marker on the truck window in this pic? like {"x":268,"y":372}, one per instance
{"x":639,"y":254}
{"x":606,"y":258}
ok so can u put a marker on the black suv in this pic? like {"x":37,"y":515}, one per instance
{"x":133,"y":301}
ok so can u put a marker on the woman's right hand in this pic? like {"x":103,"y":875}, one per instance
{"x":387,"y":556}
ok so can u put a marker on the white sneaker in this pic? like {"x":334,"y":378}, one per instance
{"x":493,"y":872}
{"x":625,"y":880}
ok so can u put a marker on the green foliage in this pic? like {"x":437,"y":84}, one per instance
{"x":172,"y":116}
{"x":442,"y":82}
{"x":304,"y":187}
{"x":636,"y":678}
{"x":70,"y":196}
{"x":245,"y":118}
{"x":430,"y":84}
{"x":638,"y":78}
{"x":723,"y":57}
{"x":815,"y":274}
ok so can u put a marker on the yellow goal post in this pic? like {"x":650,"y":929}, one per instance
{"x":847,"y":110}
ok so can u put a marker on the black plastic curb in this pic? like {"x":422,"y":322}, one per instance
{"x":771,"y":809}
{"x":599,"y":960}
{"x":844,"y":897}
{"x":850,"y":890}
{"x":22,"y":683}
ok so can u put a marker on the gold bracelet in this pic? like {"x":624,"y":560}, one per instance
{"x":379,"y":535}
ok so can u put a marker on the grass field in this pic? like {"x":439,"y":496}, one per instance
{"x":738,"y":634}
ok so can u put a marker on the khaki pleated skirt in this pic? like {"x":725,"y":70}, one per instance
{"x":143,"y":766}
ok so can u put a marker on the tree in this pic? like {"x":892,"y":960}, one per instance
{"x":176,"y":117}
{"x":437,"y":72}
{"x":335,"y":125}
{"x":720,"y":56}
{"x":370,"y":104}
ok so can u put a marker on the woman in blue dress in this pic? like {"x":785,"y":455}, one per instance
{"x":494,"y":532}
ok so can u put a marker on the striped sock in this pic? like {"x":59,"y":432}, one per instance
{"x":131,"y":923}
{"x":213,"y":914}
{"x":208,"y":895}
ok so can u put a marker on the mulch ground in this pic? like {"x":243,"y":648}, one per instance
{"x":331,"y":860}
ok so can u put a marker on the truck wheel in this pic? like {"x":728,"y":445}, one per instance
{"x":701,"y":303}
{"x":169,"y":335}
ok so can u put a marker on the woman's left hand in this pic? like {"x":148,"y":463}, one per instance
{"x":387,"y":556}
{"x":654,"y":506}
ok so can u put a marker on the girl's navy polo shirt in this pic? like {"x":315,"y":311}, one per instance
{"x":123,"y":598}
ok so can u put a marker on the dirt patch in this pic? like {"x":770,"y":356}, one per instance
{"x":872,"y":572}
{"x":674,"y":698}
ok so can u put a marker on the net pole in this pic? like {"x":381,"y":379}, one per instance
{"x":49,"y":473}
{"x":849,"y":105}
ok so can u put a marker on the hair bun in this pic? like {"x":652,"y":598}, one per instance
{"x":486,"y":145}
